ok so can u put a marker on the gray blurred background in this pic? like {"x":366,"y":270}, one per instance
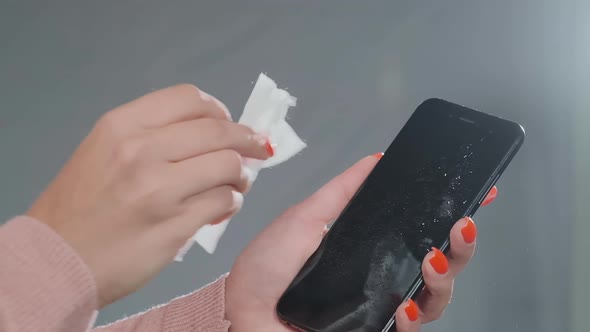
{"x":359,"y":69}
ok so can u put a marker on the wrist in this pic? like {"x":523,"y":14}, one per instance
{"x":49,"y":282}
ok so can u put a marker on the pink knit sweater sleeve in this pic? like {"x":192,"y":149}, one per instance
{"x":201,"y":311}
{"x":45,"y":286}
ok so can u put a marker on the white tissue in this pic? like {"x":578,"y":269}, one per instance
{"x":265,"y":112}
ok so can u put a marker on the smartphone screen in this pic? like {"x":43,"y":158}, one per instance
{"x":438,"y":169}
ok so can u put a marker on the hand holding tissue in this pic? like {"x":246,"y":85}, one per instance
{"x":265,"y":112}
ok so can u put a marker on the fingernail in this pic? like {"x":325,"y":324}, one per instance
{"x":439,"y":262}
{"x":469,"y":231}
{"x":490,"y":197}
{"x":217,"y":222}
{"x":269,"y":148}
{"x":412,"y":310}
{"x":378,"y":155}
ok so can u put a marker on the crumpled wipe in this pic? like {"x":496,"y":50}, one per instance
{"x":265,"y":112}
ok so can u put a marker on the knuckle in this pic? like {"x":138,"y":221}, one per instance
{"x":192,"y":93}
{"x":155,"y":199}
{"x":152,"y":188}
{"x":110,"y":118}
{"x":188,"y":90}
{"x":439,"y":287}
{"x":437,"y":315}
{"x":249,"y":131}
{"x":232,"y":162}
{"x":110,"y":123}
{"x":128,"y":151}
{"x":222,"y":108}
{"x":218,"y":130}
{"x":146,"y":185}
{"x":199,"y":97}
{"x":144,"y":193}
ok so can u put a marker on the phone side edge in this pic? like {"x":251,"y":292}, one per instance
{"x":418,"y":284}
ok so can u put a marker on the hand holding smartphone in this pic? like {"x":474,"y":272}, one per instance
{"x":437,"y":170}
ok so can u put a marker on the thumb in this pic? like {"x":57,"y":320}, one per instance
{"x":289,"y":241}
{"x":327,"y":203}
{"x":300,"y":227}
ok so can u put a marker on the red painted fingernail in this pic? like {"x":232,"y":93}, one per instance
{"x":469,"y":231}
{"x":269,"y":149}
{"x":491,"y":196}
{"x":412,"y":310}
{"x":378,"y":155}
{"x":439,"y":262}
{"x":216,"y":222}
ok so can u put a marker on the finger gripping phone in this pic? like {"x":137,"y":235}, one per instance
{"x":438,"y":170}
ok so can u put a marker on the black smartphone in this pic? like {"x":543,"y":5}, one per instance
{"x":438,"y":170}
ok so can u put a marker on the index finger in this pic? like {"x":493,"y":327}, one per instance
{"x":171,"y":105}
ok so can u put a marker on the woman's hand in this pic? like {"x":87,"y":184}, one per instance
{"x":146,"y":178}
{"x":266,"y":267}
